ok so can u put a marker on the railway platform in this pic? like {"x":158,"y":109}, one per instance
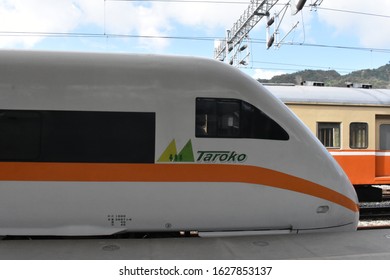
{"x":363,"y":244}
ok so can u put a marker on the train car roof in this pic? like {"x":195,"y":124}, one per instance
{"x":56,"y":68}
{"x":70,"y":72}
{"x":331,"y":95}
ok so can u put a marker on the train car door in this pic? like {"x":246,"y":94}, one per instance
{"x":382,"y":161}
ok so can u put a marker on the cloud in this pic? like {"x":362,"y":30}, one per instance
{"x":207,"y":16}
{"x":114,"y":17}
{"x":371,"y":31}
{"x":131,"y":19}
{"x":163,"y":19}
{"x":35,"y":16}
{"x":93,"y":11}
{"x":266,"y":74}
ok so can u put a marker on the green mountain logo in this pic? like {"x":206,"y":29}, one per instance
{"x":170,"y":154}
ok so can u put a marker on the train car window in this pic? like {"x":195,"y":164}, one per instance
{"x":329,"y":134}
{"x":232,"y":118}
{"x":384,"y":130}
{"x":358,"y":135}
{"x":75,"y":136}
{"x":19,"y":135}
{"x":110,"y":137}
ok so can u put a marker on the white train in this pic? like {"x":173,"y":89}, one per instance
{"x":99,"y":144}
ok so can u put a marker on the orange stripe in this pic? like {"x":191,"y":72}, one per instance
{"x":382,"y":164}
{"x":359,"y":169}
{"x":364,"y":167}
{"x":101,"y":172}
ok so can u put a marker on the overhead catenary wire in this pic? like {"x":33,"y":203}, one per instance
{"x":99,"y":35}
{"x":191,"y":38}
{"x":185,"y":1}
{"x":210,"y":39}
{"x":248,"y":1}
{"x":353,"y":12}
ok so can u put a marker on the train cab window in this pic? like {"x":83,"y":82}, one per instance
{"x":256,"y":124}
{"x":329,"y":134}
{"x":218,"y":118}
{"x":206,"y":118}
{"x":232,"y":118}
{"x":358,"y":135}
{"x":20,"y":135}
{"x":228,"y":124}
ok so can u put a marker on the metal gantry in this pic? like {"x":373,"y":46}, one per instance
{"x":235,"y":48}
{"x":234,"y":43}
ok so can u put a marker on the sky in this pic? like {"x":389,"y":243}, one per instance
{"x":337,"y":35}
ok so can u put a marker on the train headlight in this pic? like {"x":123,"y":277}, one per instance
{"x":322,"y":209}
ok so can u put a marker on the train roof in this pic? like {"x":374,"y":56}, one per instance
{"x":32,"y":67}
{"x":24,"y":71}
{"x":331,"y":95}
{"x":108,"y":81}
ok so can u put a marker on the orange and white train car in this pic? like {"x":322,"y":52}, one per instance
{"x":352,"y":123}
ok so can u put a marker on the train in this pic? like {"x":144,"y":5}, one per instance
{"x":99,"y":144}
{"x":353,"y":123}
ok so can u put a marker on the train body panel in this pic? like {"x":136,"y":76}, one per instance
{"x":110,"y":143}
{"x":151,"y":207}
{"x":352,"y":123}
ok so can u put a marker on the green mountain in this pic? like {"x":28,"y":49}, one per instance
{"x":378,"y":78}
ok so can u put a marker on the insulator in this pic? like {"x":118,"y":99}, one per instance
{"x":271,"y":41}
{"x":300,"y":5}
{"x":243,"y":47}
{"x":270,"y":21}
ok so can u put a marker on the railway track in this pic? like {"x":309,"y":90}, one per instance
{"x":386,"y":194}
{"x":375,"y":210}
{"x":375,"y":215}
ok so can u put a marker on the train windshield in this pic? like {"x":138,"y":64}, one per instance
{"x":232,"y":118}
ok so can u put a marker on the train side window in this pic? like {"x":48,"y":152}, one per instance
{"x":77,"y":136}
{"x":109,"y":137}
{"x":329,"y":134}
{"x":20,"y":135}
{"x":358,"y":135}
{"x":384,"y":137}
{"x":232,"y":118}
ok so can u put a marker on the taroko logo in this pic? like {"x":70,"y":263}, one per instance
{"x":220,"y":156}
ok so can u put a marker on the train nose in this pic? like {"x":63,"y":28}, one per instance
{"x":352,"y":211}
{"x":344,"y":210}
{"x":334,"y":206}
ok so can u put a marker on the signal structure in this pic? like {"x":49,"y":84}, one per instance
{"x":235,"y":48}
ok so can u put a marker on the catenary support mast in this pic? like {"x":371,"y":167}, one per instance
{"x":234,"y":49}
{"x":231,"y":48}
